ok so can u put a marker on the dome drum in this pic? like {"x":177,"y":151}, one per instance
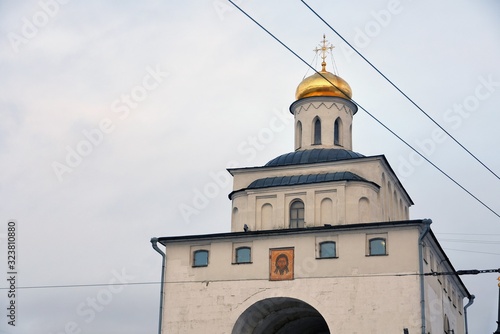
{"x":323,"y":122}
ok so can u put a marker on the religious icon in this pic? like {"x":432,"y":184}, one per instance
{"x":281,"y":264}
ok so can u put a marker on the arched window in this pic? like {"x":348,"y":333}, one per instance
{"x":243,"y":255}
{"x":326,"y":211}
{"x":431,"y":260}
{"x":327,"y":249}
{"x":364,"y":210}
{"x":235,"y":216}
{"x":447,"y":325}
{"x":377,"y":246}
{"x":337,"y":132}
{"x":382,"y":193}
{"x":297,"y":214}
{"x":389,"y":201}
{"x":266,"y":217}
{"x":401,"y":212}
{"x":317,"y":132}
{"x":298,"y":135}
{"x":200,"y":258}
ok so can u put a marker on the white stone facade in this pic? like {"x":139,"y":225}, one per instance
{"x":354,"y":292}
{"x":320,"y":242}
{"x":385,"y":198}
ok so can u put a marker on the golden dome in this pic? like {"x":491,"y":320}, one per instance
{"x":317,"y":85}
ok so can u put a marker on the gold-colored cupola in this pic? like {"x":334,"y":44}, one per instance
{"x":323,"y":83}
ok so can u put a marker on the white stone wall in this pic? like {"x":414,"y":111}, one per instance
{"x":443,"y":293}
{"x":389,"y":202}
{"x":355,"y":293}
{"x":375,"y":305}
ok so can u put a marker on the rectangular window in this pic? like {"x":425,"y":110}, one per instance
{"x":376,"y":244}
{"x":242,"y":252}
{"x":243,"y":255}
{"x":200,"y":258}
{"x":327,"y":249}
{"x":200,"y":255}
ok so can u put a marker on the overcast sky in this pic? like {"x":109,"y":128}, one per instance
{"x":119,"y":118}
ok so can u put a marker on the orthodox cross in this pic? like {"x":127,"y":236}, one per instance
{"x":324,"y":47}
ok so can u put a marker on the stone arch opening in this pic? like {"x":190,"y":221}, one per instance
{"x":281,"y":315}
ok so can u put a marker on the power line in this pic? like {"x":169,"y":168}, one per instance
{"x":366,"y":111}
{"x":458,"y":272}
{"x":400,"y":91}
{"x":463,"y":272}
{"x":453,"y":233}
{"x":468,"y":241}
{"x":80,"y":285}
{"x":469,"y":251}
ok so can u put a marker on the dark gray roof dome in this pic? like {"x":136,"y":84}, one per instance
{"x":313,"y":156}
{"x":277,"y":181}
{"x":293,"y":180}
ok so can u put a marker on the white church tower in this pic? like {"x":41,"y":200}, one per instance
{"x":329,"y":123}
{"x":323,"y":181}
{"x":321,"y":242}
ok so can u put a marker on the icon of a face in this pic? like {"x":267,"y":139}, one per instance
{"x":282,"y":262}
{"x":281,"y":265}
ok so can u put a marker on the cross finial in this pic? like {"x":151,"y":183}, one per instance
{"x":323,"y":47}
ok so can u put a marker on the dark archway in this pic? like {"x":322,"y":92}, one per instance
{"x":281,"y":315}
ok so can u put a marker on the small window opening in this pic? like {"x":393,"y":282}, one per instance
{"x":243,"y":255}
{"x":378,"y":246}
{"x":200,"y":258}
{"x":317,"y":132}
{"x":327,"y":249}
{"x":297,"y":214}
